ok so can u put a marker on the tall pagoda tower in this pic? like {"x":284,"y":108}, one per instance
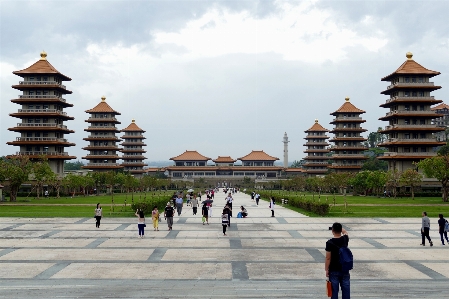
{"x":316,"y":159}
{"x":133,"y":149}
{"x":348,"y":148}
{"x":410,"y":128}
{"x":41,"y":127}
{"x":102,"y":146}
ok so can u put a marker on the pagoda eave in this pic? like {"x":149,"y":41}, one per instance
{"x":102,"y":130}
{"x":42,"y":101}
{"x":357,"y":121}
{"x":102,"y":139}
{"x":132,"y":143}
{"x":349,"y":167}
{"x":399,"y":87}
{"x":102,"y":167}
{"x":360,"y":139}
{"x":18,"y":143}
{"x":342,"y":157}
{"x":50,"y":129}
{"x":132,"y":137}
{"x":101,"y":120}
{"x":93,"y":148}
{"x":52,"y":157}
{"x":399,"y":157}
{"x":339,"y":130}
{"x":405,"y":129}
{"x":41,"y":87}
{"x":43,"y":114}
{"x":317,"y":158}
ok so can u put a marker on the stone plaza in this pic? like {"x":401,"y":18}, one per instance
{"x":262,"y":257}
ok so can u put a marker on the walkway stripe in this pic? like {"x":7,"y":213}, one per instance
{"x":123,"y":226}
{"x":82,"y":220}
{"x":52,"y":270}
{"x":50,"y":234}
{"x":96,"y":243}
{"x":239,"y":271}
{"x":427,"y":271}
{"x":157,"y":255}
{"x":316,"y":254}
{"x":172,"y":234}
{"x":374,"y":243}
{"x":295,"y":234}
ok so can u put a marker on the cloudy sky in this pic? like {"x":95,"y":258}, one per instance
{"x":220,"y":77}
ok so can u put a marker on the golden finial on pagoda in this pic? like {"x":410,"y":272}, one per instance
{"x":316,"y":120}
{"x":43,"y":55}
{"x":103,"y":98}
{"x":409,"y":55}
{"x":347,"y":99}
{"x":133,"y":120}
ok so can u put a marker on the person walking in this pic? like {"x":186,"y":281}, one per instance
{"x":188,"y":199}
{"x":155,"y":217}
{"x":98,"y":215}
{"x":425,"y":229}
{"x":212,"y":193}
{"x":46,"y":193}
{"x":229,"y":201}
{"x":141,"y":223}
{"x":168,"y":215}
{"x":272,"y":204}
{"x":442,"y":228}
{"x":332,"y":265}
{"x":224,"y":221}
{"x":179,"y":204}
{"x":205,"y":213}
{"x":194,"y":203}
{"x":210,"y":210}
{"x":253,"y":194}
{"x":228,"y":211}
{"x":257,"y":198}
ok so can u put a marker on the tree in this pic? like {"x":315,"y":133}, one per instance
{"x":411,"y":178}
{"x":437,"y":167}
{"x":296,"y":164}
{"x":73,"y":165}
{"x":42,"y":174}
{"x":17,"y":170}
{"x":392,"y":180}
{"x":360,"y":181}
{"x":376,"y":180}
{"x":73,"y":182}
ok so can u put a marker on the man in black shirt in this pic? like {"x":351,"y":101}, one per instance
{"x":168,"y":214}
{"x":332,"y":265}
{"x":441,"y":226}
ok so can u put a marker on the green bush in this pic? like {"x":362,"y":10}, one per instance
{"x":147,"y":205}
{"x":319,"y":208}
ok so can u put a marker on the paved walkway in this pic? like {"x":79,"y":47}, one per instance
{"x":262,"y":257}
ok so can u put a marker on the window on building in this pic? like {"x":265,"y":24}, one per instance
{"x":406,"y":121}
{"x":406,"y":150}
{"x":37,"y":149}
{"x":423,"y":150}
{"x":29,"y":148}
{"x":422,"y":121}
{"x":407,"y":79}
{"x":415,"y":149}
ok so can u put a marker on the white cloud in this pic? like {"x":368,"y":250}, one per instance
{"x":297,"y":31}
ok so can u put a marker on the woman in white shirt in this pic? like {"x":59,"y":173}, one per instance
{"x":98,"y":215}
{"x":141,"y":223}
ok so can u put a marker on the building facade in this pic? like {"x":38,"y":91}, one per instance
{"x":442,"y":121}
{"x":348,"y":149}
{"x":316,"y":161}
{"x":133,"y":159}
{"x":103,"y":144}
{"x":411,"y":133}
{"x":41,"y":127}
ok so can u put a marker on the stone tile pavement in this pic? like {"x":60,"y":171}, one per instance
{"x":262,"y":257}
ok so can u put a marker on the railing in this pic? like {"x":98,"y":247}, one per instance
{"x":347,"y":118}
{"x":105,"y":119}
{"x":347,"y":129}
{"x":409,"y":98}
{"x":129,"y":163}
{"x":42,"y":153}
{"x":324,"y":170}
{"x":316,"y":143}
{"x":409,"y":112}
{"x":417,"y":84}
{"x":133,"y":156}
{"x":41,"y":97}
{"x":99,"y":137}
{"x":41,"y":83}
{"x":41,"y":111}
{"x":103,"y":146}
{"x":103,"y":164}
{"x":345,"y":146}
{"x":312,"y":150}
{"x":409,"y":126}
{"x":412,"y":140}
{"x":320,"y":163}
{"x":41,"y":125}
{"x":102,"y":127}
{"x":348,"y":155}
{"x":40,"y":139}
{"x":392,"y":154}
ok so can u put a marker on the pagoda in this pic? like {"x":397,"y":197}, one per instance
{"x":133,"y":149}
{"x":42,"y":130}
{"x":316,"y":159}
{"x":410,"y":128}
{"x":102,"y":146}
{"x":347,"y":151}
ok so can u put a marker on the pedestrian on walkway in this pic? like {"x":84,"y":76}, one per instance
{"x":224,"y":221}
{"x":194,"y":203}
{"x":205,"y":213}
{"x":141,"y":223}
{"x":257,"y":198}
{"x":244,"y":211}
{"x":155,"y":217}
{"x":272,"y":203}
{"x":168,"y":215}
{"x":442,"y":228}
{"x":425,"y":228}
{"x":98,"y":215}
{"x":253,"y":194}
{"x":332,"y":265}
{"x":179,"y":204}
{"x":229,"y":201}
{"x":227,"y":209}
{"x":210,"y":210}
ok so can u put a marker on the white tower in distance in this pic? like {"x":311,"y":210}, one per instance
{"x":285,"y":150}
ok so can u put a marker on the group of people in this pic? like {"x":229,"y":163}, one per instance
{"x":443,"y":228}
{"x":255,"y":196}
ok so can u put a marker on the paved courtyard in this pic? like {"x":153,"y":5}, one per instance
{"x":262,"y":257}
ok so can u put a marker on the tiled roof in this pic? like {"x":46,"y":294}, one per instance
{"x":348,"y":107}
{"x":215,"y":168}
{"x":440,"y":106}
{"x":102,"y":107}
{"x":133,"y":127}
{"x":317,"y":127}
{"x":190,"y":156}
{"x":42,"y":66}
{"x":411,"y":67}
{"x":224,"y":159}
{"x":258,"y":156}
{"x":154,"y":169}
{"x":294,"y":170}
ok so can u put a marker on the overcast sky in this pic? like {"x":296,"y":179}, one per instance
{"x":220,"y":77}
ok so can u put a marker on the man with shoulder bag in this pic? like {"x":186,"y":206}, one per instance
{"x":339,"y":261}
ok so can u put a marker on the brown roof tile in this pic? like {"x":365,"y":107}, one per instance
{"x":295,"y":170}
{"x":348,"y":107}
{"x":103,"y":107}
{"x":133,"y":127}
{"x":258,"y":156}
{"x":224,"y":159}
{"x":317,"y":127}
{"x":154,"y":169}
{"x":440,"y":106}
{"x":42,"y":66}
{"x":190,"y":156}
{"x":411,"y":67}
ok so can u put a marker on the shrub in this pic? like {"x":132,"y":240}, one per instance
{"x":320,"y":208}
{"x":147,"y":205}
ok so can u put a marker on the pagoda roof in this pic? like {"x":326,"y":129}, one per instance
{"x":440,"y":106}
{"x":316,"y":128}
{"x":258,"y":156}
{"x":133,"y":127}
{"x":293,"y":169}
{"x":190,"y":156}
{"x":348,"y":107}
{"x":411,"y":67}
{"x":224,"y":159}
{"x":102,"y":107}
{"x":42,"y":66}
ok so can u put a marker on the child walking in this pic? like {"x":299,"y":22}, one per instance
{"x":224,"y":221}
{"x":155,"y":215}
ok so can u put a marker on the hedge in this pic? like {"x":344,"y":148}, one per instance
{"x":147,"y":205}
